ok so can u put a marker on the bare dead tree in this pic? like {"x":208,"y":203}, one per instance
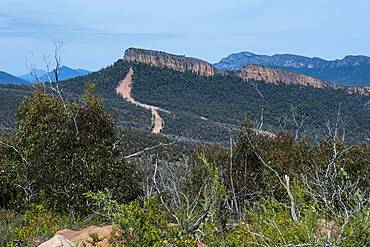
{"x":341,"y":197}
{"x":297,"y":122}
{"x":331,"y":186}
{"x":254,"y":84}
{"x":338,"y":127}
{"x":293,"y":121}
{"x":28,"y":189}
{"x":234,"y":199}
{"x":261,"y":119}
{"x":183,"y":208}
{"x":53,"y":81}
{"x":52,"y":75}
{"x":151,"y":148}
{"x":16,"y":150}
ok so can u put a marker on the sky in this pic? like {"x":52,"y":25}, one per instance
{"x":95,"y":34}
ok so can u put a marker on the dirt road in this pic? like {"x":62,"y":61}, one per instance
{"x":124,"y":89}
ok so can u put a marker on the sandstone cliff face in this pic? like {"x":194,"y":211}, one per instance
{"x":251,"y":71}
{"x":276,"y":76}
{"x":351,"y":70}
{"x":162,"y":59}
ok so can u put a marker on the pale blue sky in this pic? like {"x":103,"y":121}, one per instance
{"x":96,"y":33}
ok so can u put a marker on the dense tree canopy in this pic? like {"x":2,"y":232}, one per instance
{"x":69,"y":150}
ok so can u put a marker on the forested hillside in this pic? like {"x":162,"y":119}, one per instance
{"x":225,"y":99}
{"x":10,"y":96}
{"x":209,"y":107}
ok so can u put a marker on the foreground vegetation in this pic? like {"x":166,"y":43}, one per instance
{"x":65,"y":168}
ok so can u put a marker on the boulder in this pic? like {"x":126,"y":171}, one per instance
{"x":57,"y":241}
{"x":77,"y":238}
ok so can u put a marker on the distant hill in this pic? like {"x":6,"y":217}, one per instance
{"x":6,"y":78}
{"x":30,"y":79}
{"x":351,"y":70}
{"x":65,"y":73}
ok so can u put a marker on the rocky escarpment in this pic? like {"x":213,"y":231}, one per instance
{"x":351,"y":70}
{"x":250,"y":71}
{"x":277,"y":76}
{"x":256,"y":72}
{"x":163,"y":59}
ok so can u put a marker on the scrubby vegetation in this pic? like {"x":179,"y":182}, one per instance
{"x":69,"y":166}
{"x":65,"y":168}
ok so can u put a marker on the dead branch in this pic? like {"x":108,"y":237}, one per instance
{"x":151,"y":148}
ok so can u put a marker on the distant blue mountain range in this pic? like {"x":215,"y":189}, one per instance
{"x":30,"y":79}
{"x":6,"y":78}
{"x":65,"y":73}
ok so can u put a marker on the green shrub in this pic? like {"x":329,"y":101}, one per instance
{"x":70,"y":149}
{"x":9,"y":220}
{"x":37,"y":223}
{"x":139,"y":224}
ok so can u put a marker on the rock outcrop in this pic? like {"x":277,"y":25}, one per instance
{"x":250,"y":71}
{"x":277,"y":76}
{"x":351,"y":70}
{"x":58,"y":241}
{"x":70,"y":238}
{"x":176,"y":62}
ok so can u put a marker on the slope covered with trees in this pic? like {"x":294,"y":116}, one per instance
{"x":224,"y":99}
{"x":69,"y":166}
{"x":209,"y":107}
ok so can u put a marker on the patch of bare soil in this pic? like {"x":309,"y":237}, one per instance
{"x":124,"y":89}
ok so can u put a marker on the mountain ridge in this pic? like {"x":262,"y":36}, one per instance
{"x":248,"y":72}
{"x":208,"y":108}
{"x":65,"y":74}
{"x":234,"y":61}
{"x":163,"y":59}
{"x":6,"y":78}
{"x":351,"y":70}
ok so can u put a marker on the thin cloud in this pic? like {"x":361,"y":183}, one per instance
{"x":96,"y":33}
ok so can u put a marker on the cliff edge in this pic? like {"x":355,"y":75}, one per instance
{"x":250,"y":71}
{"x":277,"y":76}
{"x":176,"y":62}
